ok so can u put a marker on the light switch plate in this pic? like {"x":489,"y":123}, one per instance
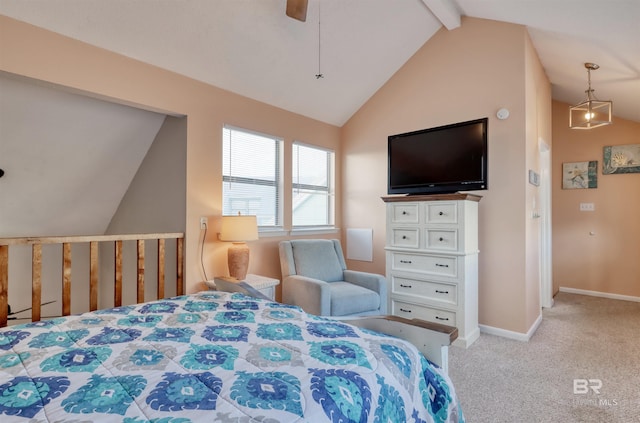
{"x":587,"y":207}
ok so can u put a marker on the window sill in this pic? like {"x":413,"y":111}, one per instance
{"x":268,"y":233}
{"x":314,"y":231}
{"x":279,"y":232}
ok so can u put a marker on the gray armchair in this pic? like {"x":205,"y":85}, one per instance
{"x":315,"y":277}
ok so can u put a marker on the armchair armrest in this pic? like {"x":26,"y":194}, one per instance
{"x":313,"y":295}
{"x":371,"y":281}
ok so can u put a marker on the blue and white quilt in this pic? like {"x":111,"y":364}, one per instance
{"x":215,"y":356}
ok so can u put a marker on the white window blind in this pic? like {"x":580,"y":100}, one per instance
{"x":313,"y":189}
{"x":251,"y":175}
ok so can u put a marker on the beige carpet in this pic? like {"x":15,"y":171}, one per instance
{"x":580,"y":338}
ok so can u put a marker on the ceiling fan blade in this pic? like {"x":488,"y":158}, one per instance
{"x":297,"y":9}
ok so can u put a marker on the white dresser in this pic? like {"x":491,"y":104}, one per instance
{"x":432,"y":260}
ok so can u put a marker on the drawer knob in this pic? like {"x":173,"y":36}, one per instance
{"x":442,"y":318}
{"x":404,"y":212}
{"x":441,"y":213}
{"x":404,"y":237}
{"x":405,"y":286}
{"x":441,"y":292}
{"x":441,"y":239}
{"x":442,"y":265}
{"x":405,"y":311}
{"x":405,"y":261}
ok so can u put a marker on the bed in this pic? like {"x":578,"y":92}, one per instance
{"x":215,"y":356}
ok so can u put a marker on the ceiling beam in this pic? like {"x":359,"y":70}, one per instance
{"x":445,"y":11}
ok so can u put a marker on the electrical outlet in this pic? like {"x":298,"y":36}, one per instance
{"x":587,"y":207}
{"x":203,"y":222}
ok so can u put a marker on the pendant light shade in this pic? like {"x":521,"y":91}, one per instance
{"x":592,"y":112}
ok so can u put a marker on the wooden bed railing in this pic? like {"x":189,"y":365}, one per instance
{"x":66,"y":242}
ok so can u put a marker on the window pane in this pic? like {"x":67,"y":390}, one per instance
{"x":309,"y":166}
{"x":312,"y":197}
{"x":310,"y":208}
{"x":251,"y":175}
{"x":250,"y":199}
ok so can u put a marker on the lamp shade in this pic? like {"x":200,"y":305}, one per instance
{"x":239,"y":228}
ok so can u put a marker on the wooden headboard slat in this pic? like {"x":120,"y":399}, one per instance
{"x":4,"y":284}
{"x":66,"y":279}
{"x":67,"y":242}
{"x":36,"y":281}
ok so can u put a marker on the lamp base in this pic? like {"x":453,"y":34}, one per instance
{"x":238,"y":260}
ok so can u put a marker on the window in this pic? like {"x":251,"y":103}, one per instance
{"x":251,"y":176}
{"x":313,"y":174}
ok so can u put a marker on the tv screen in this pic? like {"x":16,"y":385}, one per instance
{"x":445,"y":159}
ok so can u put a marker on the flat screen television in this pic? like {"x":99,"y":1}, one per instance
{"x":445,"y":159}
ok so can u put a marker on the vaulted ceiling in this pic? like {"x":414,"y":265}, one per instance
{"x":251,"y":48}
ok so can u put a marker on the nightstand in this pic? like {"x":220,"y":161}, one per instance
{"x":264,"y":284}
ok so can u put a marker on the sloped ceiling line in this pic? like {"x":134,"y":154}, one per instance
{"x":445,"y":11}
{"x":49,"y":137}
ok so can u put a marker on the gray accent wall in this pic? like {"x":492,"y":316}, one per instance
{"x":154,"y":202}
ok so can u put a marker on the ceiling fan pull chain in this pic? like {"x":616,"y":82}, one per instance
{"x":319,"y":74}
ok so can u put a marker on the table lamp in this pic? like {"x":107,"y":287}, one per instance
{"x":238,"y":229}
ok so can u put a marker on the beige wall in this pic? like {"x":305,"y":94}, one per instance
{"x":609,"y":260}
{"x":459,"y":75}
{"x":36,"y":53}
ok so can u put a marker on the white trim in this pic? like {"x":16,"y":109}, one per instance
{"x":299,"y":231}
{"x":545,"y":208}
{"x":314,"y":146}
{"x":252,"y":132}
{"x":518,"y":336}
{"x":466,"y":342}
{"x":600,"y":294}
{"x":266,"y":233}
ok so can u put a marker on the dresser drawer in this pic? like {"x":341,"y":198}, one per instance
{"x":405,"y":213}
{"x":442,"y":239}
{"x":445,"y":293}
{"x":441,"y":212}
{"x":412,"y":311}
{"x":409,"y":238}
{"x":425,"y":263}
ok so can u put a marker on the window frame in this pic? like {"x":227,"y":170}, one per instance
{"x":329,"y":189}
{"x":278,"y":225}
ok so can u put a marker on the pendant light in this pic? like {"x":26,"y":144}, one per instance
{"x":592,"y":112}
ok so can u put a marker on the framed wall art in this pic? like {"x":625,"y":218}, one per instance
{"x":578,"y":175}
{"x":621,"y":159}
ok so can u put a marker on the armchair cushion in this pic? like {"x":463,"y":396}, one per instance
{"x":347,"y":298}
{"x":317,"y":259}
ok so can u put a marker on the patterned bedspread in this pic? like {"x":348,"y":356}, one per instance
{"x":214,"y":356}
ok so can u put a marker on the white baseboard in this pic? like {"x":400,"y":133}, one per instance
{"x":600,"y":294}
{"x":518,"y":336}
{"x":466,"y":342}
